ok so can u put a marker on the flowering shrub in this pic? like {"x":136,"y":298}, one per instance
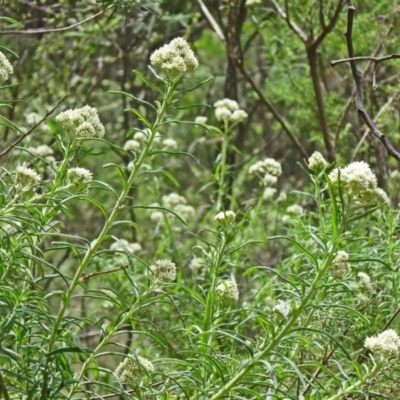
{"x":167,"y":296}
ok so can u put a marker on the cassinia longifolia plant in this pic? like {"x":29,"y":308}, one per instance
{"x":314,"y":323}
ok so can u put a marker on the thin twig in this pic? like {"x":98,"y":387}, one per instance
{"x":48,"y":113}
{"x":365,"y":58}
{"x":65,"y":28}
{"x":213,"y":23}
{"x":351,"y":98}
{"x":110,"y":271}
{"x":357,"y":79}
{"x":376,"y":119}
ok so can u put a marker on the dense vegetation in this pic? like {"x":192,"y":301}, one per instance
{"x":197,"y":201}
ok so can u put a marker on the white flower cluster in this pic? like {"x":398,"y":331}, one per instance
{"x":131,"y":145}
{"x":170,"y":144}
{"x":340,"y":267}
{"x":365,"y":280}
{"x":85,"y":120}
{"x":42,"y":150}
{"x":26,"y":177}
{"x":359,"y":182}
{"x":201,"y":120}
{"x":269,"y":193}
{"x":175,"y":203}
{"x":228,"y":291}
{"x":384,"y":346}
{"x":225,"y":218}
{"x":131,"y":247}
{"x":295,"y":209}
{"x":131,"y":371}
{"x":164,"y":270}
{"x":175,"y":58}
{"x":317,"y":161}
{"x":268,"y":169}
{"x":252,"y":2}
{"x":79,"y":176}
{"x":6,"y":68}
{"x":228,"y":110}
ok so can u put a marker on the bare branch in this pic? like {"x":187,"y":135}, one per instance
{"x":293,"y":26}
{"x":210,"y":19}
{"x":328,"y":28}
{"x":365,"y":58}
{"x":357,"y":79}
{"x":376,"y":119}
{"x":65,"y":28}
{"x":366,"y":70}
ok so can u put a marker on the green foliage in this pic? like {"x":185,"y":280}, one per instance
{"x":172,"y":243}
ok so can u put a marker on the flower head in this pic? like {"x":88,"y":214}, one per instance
{"x":225,"y":217}
{"x":340,"y":267}
{"x":84,"y":120}
{"x":384,"y":346}
{"x":26,"y":177}
{"x":238,"y":116}
{"x":170,"y":144}
{"x":131,"y":145}
{"x":164,"y":270}
{"x":201,"y":120}
{"x":359,"y":182}
{"x":131,"y":371}
{"x":295,"y":209}
{"x":175,"y":58}
{"x":365,"y":280}
{"x":228,"y":291}
{"x":268,"y":169}
{"x":269,"y":193}
{"x":6,"y":68}
{"x":316,"y":162}
{"x":79,"y":176}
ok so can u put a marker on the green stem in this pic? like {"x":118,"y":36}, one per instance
{"x":223,"y":169}
{"x":104,"y":341}
{"x":374,"y":371}
{"x":108,"y":223}
{"x":278,"y":338}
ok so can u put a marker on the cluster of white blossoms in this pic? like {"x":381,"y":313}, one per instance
{"x":359,"y":182}
{"x":132,"y":370}
{"x":384,"y":346}
{"x":269,"y":193}
{"x":365,"y":280}
{"x":130,"y":247}
{"x":6,"y":68}
{"x":228,"y":291}
{"x":317,"y":161}
{"x":79,"y":176}
{"x":164,"y":271}
{"x":252,"y":2}
{"x":295,"y":209}
{"x":131,"y":145}
{"x":268,"y":170}
{"x":201,"y":120}
{"x":84,"y":120}
{"x":170,"y":144}
{"x":26,"y":177}
{"x":175,"y":58}
{"x":225,"y":218}
{"x":340,"y":267}
{"x":228,"y":110}
{"x":177,"y":204}
{"x":42,"y":150}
